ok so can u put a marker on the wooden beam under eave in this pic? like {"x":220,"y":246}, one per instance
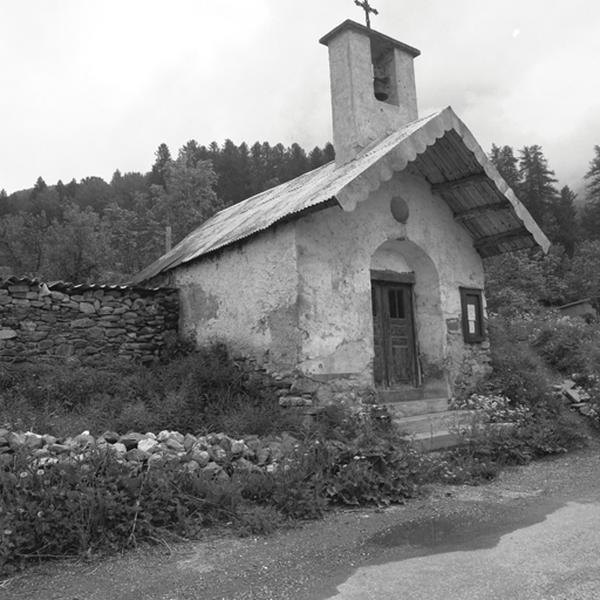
{"x":446,"y":186}
{"x":499,"y":238}
{"x":483,"y":209}
{"x":488,"y":251}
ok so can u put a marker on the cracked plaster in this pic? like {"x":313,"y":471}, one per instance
{"x":298,"y":296}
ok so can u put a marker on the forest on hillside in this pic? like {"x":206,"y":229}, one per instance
{"x":93,"y":230}
{"x":522,"y":281}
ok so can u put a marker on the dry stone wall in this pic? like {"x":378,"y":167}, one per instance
{"x":59,"y":321}
{"x":468,"y":363}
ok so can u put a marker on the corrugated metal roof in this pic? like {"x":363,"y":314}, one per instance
{"x":439,"y":148}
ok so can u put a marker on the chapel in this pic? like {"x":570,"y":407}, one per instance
{"x":364,"y":278}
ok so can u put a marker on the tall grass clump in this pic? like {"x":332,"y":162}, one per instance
{"x":519,"y":372}
{"x":195,"y":391}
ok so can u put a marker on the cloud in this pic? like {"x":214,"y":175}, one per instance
{"x":88,"y":87}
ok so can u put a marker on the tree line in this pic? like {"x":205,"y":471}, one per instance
{"x":92,"y":230}
{"x":535,"y":185}
{"x":522,"y":281}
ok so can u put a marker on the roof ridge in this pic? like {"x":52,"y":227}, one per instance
{"x":377,"y":162}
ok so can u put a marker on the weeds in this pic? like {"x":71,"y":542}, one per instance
{"x":97,"y":502}
{"x":505,"y":433}
{"x":199,"y":392}
{"x":519,"y":372}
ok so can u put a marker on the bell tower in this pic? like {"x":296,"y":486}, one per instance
{"x":373,"y":89}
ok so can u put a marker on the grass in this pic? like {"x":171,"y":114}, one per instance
{"x":96,"y":503}
{"x":199,"y":392}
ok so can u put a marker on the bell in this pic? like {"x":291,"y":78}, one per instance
{"x":380,"y":85}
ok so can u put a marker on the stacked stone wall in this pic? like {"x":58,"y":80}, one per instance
{"x":45,"y":322}
{"x":468,"y":363}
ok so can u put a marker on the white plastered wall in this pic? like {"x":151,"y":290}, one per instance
{"x":298,"y":295}
{"x":246,"y":297}
{"x":335,"y":254}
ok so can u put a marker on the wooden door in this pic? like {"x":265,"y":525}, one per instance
{"x":393,"y":334}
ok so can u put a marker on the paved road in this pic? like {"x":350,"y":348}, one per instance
{"x":532,"y":534}
{"x":558,"y":558}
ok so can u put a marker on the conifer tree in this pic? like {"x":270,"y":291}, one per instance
{"x":277,"y":160}
{"x":192,"y":153}
{"x":315,"y":158}
{"x":328,"y":152}
{"x":590,"y":221}
{"x":71,"y":188}
{"x":297,"y":162}
{"x":560,"y":221}
{"x":257,"y":168}
{"x":593,"y":177}
{"x":161,"y":164}
{"x":60,"y":189}
{"x":232,"y":170}
{"x":505,"y":161}
{"x":124,"y":189}
{"x":536,"y":189}
{"x":3,"y":202}
{"x":39,"y":187}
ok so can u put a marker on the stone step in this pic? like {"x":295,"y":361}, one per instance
{"x":402,"y":393}
{"x":433,"y":422}
{"x":440,"y":440}
{"x":447,"y":438}
{"x":411,"y":408}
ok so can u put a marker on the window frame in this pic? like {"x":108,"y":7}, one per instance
{"x":479,"y":335}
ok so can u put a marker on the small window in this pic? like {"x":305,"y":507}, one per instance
{"x":471,"y":301}
{"x":396,"y":301}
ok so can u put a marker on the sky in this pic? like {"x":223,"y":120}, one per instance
{"x":91,"y":86}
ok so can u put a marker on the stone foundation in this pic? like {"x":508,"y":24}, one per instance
{"x":472,"y":366}
{"x":308,"y":393}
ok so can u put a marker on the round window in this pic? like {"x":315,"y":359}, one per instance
{"x":399,"y":209}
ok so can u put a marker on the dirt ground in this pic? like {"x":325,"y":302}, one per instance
{"x":310,"y":562}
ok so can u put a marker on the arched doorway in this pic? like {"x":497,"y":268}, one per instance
{"x":407,"y":317}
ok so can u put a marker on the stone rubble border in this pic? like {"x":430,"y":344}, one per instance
{"x":215,"y":455}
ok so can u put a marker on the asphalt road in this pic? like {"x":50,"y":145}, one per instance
{"x":557,"y":558}
{"x":532,"y":534}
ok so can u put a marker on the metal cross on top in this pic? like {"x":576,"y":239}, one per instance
{"x":368,"y":9}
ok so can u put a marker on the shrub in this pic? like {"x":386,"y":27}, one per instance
{"x":298,"y":486}
{"x":376,"y":474}
{"x":494,"y":408}
{"x":199,"y":392}
{"x":518,"y":370}
{"x":559,"y":343}
{"x":101,"y":503}
{"x":96,"y":501}
{"x":487,"y":447}
{"x":571,"y":346}
{"x":70,"y":508}
{"x":259,"y":520}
